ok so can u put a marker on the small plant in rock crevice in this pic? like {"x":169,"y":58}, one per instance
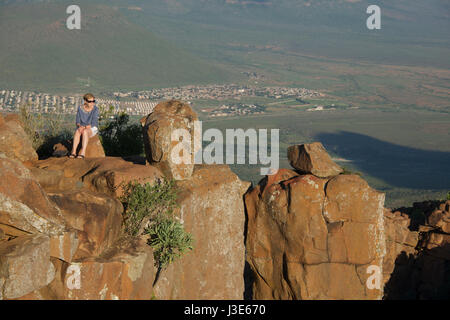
{"x":144,"y":202}
{"x":169,"y":240}
{"x":149,"y":210}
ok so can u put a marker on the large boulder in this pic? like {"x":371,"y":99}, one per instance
{"x":124,"y":272}
{"x":71,"y":168}
{"x":312,"y":158}
{"x":212,"y":210}
{"x":113,"y":181}
{"x":94,"y":148}
{"x":54,"y":180}
{"x":97,"y":217}
{"x":26,"y":209}
{"x":25,"y":265}
{"x":60,"y":150}
{"x":440,"y":218}
{"x":14,"y":142}
{"x":24,"y":205}
{"x":14,"y":117}
{"x":105,"y":175}
{"x":64,"y":245}
{"x":314,"y":238}
{"x":158,"y":127}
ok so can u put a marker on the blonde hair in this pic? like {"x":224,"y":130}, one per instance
{"x":88,"y":96}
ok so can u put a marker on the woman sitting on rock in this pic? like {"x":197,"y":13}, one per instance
{"x":87,"y":125}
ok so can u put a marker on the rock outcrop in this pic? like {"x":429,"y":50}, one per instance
{"x":14,"y":142}
{"x":399,"y":240}
{"x":211,"y":209}
{"x":160,"y":148}
{"x":316,"y":233}
{"x":45,"y":236}
{"x":96,"y":217}
{"x":24,"y":205}
{"x":73,"y":206}
{"x":123,"y":272}
{"x":314,"y":238}
{"x":312,"y":158}
{"x":94,"y":148}
{"x":423,"y":273}
{"x":104,"y":175}
{"x":14,"y":117}
{"x":25,"y":265}
{"x":309,"y":233}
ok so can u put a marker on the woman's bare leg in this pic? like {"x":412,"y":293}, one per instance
{"x":76,"y":141}
{"x":84,"y":143}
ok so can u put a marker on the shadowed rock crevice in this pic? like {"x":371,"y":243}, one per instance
{"x":424,"y":271}
{"x":423,"y":276}
{"x":248,"y":282}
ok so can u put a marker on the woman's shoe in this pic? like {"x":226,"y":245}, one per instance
{"x":72,"y":156}
{"x":80,"y":156}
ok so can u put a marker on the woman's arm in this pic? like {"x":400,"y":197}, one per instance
{"x":78,"y":119}
{"x":94,"y":122}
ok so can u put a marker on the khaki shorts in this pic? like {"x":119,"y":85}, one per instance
{"x":94,"y":131}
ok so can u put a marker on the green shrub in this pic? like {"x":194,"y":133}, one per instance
{"x":143,"y":203}
{"x":448,"y":195}
{"x":105,"y":115}
{"x":31,"y":125}
{"x":169,"y":240}
{"x":149,"y":209}
{"x":44,"y":131}
{"x":118,"y":137}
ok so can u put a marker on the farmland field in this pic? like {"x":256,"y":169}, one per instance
{"x":403,"y":153}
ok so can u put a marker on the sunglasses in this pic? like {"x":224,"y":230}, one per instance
{"x":90,"y":101}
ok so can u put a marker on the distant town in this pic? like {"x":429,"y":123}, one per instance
{"x":143,"y":102}
{"x":234,"y":110}
{"x":11,"y":100}
{"x":218,"y":92}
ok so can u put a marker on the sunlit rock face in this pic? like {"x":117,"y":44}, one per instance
{"x":160,"y":147}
